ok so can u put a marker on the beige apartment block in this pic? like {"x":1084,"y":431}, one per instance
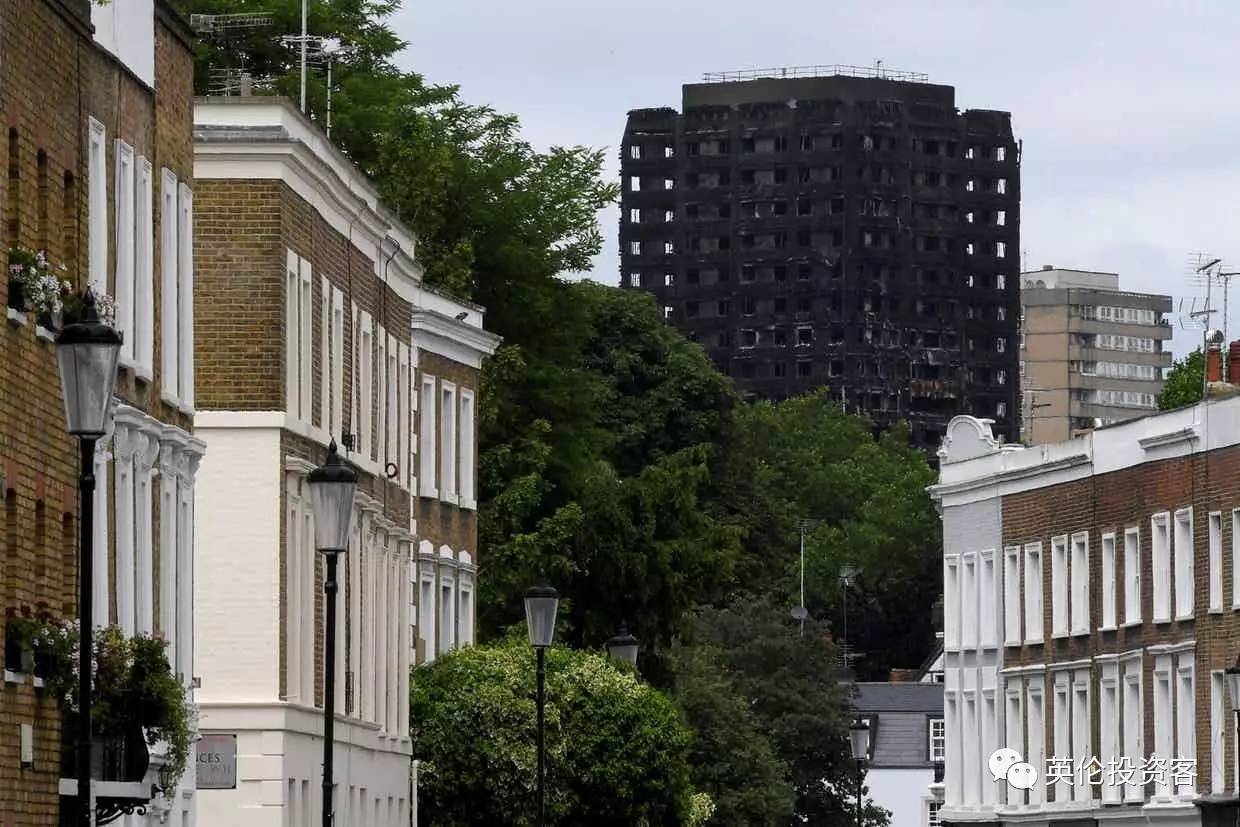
{"x":1091,"y":354}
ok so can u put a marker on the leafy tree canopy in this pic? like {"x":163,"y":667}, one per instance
{"x":1184,"y":382}
{"x":617,"y":751}
{"x":790,"y":680}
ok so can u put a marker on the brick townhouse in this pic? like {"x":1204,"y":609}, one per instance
{"x":313,"y":325}
{"x":96,"y":101}
{"x":1092,"y":604}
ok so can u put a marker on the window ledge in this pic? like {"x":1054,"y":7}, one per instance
{"x":1060,"y":635}
{"x":1078,"y":632}
{"x":14,"y":678}
{"x":1034,"y":641}
{"x":15,"y":317}
{"x":428,"y":494}
{"x":1108,"y":628}
{"x":469,"y":505}
{"x":144,"y":373}
{"x":1011,"y":643}
{"x":170,"y":399}
{"x":1217,"y":611}
{"x":1161,"y":620}
{"x":1180,"y":618}
{"x":43,"y":333}
{"x":1128,"y":624}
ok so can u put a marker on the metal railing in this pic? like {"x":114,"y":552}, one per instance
{"x":817,"y":71}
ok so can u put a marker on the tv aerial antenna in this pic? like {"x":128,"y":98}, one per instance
{"x":223,"y":29}
{"x":322,"y":51}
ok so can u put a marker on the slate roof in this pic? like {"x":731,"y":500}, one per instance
{"x":899,"y":697}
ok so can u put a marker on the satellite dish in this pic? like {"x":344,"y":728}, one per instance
{"x":799,"y":613}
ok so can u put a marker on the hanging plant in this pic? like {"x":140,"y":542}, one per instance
{"x":34,"y":283}
{"x":134,"y":691}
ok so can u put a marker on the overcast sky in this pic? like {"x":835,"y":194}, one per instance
{"x":1126,"y":109}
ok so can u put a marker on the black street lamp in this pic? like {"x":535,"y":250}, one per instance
{"x":541,"y":603}
{"x":623,"y":646}
{"x":1232,"y":676}
{"x":332,"y":488}
{"x":87,"y":353}
{"x":859,"y":741}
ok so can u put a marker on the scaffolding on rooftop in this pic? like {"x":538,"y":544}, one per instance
{"x":817,"y":71}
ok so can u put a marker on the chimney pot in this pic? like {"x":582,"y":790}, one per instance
{"x":1214,"y":363}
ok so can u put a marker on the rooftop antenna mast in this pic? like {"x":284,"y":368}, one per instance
{"x":325,"y":50}
{"x":220,"y":28}
{"x":1202,"y":273}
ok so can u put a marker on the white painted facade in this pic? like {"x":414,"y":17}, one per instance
{"x":903,"y":792}
{"x":126,"y":28}
{"x":402,"y":598}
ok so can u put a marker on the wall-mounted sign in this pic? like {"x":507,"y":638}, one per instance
{"x":217,"y":762}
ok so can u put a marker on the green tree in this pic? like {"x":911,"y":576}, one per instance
{"x":791,"y":680}
{"x":733,"y":759}
{"x":1184,"y":382}
{"x":596,"y":458}
{"x":805,"y":459}
{"x":617,"y":752}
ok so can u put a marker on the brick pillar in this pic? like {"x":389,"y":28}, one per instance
{"x":1233,"y":363}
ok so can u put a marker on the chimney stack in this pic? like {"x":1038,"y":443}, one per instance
{"x":1214,"y":362}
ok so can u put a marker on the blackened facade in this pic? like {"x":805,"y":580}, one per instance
{"x":854,"y":232}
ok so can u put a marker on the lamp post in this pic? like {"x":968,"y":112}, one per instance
{"x":623,"y":646}
{"x":87,"y":353}
{"x":1232,"y":676}
{"x":859,"y":740}
{"x":332,"y":487}
{"x":541,"y":603}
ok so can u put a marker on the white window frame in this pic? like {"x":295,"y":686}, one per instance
{"x":1061,"y":708}
{"x":123,"y":195}
{"x":1034,"y":619}
{"x":97,"y":205}
{"x":391,"y":394}
{"x":1060,"y":585}
{"x":1186,"y":715}
{"x":1220,"y":716}
{"x":1082,"y":730}
{"x":1215,"y":523}
{"x":951,"y":602}
{"x":969,"y":620}
{"x":1035,"y":714}
{"x":1164,"y":716}
{"x":168,"y":301}
{"x":382,"y":381}
{"x":1133,"y":716}
{"x":1132,"y":575}
{"x":325,"y":354}
{"x":1109,"y":726}
{"x":337,"y":375}
{"x":1108,"y":582}
{"x":366,"y":362}
{"x":936,"y":743}
{"x":185,"y":297}
{"x":988,"y":622}
{"x":144,"y":267}
{"x":468,"y":459}
{"x":1160,"y":565}
{"x":428,"y":437}
{"x":402,"y":458}
{"x":1011,"y":596}
{"x":447,"y":442}
{"x":1014,"y":724}
{"x":1182,"y":552}
{"x":292,"y":334}
{"x":1079,"y":573}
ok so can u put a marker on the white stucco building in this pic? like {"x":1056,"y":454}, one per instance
{"x":316,"y":327}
